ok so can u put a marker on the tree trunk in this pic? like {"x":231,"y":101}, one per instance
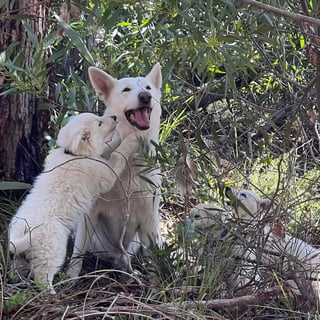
{"x":21,"y":124}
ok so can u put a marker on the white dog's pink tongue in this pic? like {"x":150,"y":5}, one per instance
{"x":141,"y":118}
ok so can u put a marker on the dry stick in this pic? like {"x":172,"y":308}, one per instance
{"x":307,"y":141}
{"x":284,"y":13}
{"x":317,"y":131}
{"x":314,"y":39}
{"x":124,"y":304}
{"x":248,"y":300}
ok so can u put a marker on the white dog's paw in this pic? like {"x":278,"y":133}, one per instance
{"x":73,"y":270}
{"x":160,"y":242}
{"x":52,"y":291}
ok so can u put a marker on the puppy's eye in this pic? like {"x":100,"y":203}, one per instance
{"x":126,"y":89}
{"x":100,"y":123}
{"x":243,"y":195}
{"x":148,"y":87}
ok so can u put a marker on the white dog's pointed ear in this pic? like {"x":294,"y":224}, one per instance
{"x":155,"y":76}
{"x":101,"y":81}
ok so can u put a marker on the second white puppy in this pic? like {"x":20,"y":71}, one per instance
{"x":284,"y":250}
{"x":74,"y":176}
{"x":248,"y":203}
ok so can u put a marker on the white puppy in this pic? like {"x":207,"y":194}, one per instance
{"x":74,"y":176}
{"x":207,"y":215}
{"x":273,"y":247}
{"x":258,"y":244}
{"x":249,"y":204}
{"x":129,"y":210}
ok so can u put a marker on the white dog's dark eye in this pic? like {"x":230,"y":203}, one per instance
{"x":243,"y":195}
{"x":148,"y":87}
{"x":100,"y":123}
{"x":126,"y":89}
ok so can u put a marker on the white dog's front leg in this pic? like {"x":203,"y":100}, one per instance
{"x":151,"y":235}
{"x":82,"y":236}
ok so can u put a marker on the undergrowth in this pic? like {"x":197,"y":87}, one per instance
{"x":195,"y":276}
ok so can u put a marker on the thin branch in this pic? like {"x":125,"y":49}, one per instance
{"x":293,"y":16}
{"x":128,"y":305}
{"x":248,"y":300}
{"x":6,"y":14}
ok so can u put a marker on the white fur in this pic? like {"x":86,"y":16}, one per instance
{"x":289,"y":250}
{"x":132,"y":204}
{"x":260,"y":243}
{"x":206,"y":215}
{"x":256,"y":206}
{"x":65,"y":191}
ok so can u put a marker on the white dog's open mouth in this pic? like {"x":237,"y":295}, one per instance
{"x":140,"y":118}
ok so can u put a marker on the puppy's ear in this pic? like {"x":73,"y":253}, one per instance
{"x":85,"y":135}
{"x":155,"y":76}
{"x":102,"y":82}
{"x":264,"y":205}
{"x":72,"y":138}
{"x":80,"y":142}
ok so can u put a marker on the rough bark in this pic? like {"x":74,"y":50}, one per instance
{"x":21,"y":124}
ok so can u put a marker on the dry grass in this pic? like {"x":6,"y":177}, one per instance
{"x":189,"y":279}
{"x":194,"y":277}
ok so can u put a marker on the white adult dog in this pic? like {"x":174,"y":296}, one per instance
{"x":74,"y":176}
{"x":126,"y":216}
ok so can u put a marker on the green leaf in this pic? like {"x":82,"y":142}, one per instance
{"x":32,"y":36}
{"x":46,"y":106}
{"x":3,"y":2}
{"x":77,"y":41}
{"x":6,"y":54}
{"x":302,"y":41}
{"x":55,"y":56}
{"x":9,"y":91}
{"x":14,"y":185}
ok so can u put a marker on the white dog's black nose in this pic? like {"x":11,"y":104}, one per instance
{"x":113,"y":118}
{"x":144,"y":97}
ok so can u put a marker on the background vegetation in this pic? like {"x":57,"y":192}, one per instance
{"x":240,"y":97}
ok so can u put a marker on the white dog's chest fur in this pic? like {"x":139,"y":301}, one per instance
{"x":134,"y":197}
